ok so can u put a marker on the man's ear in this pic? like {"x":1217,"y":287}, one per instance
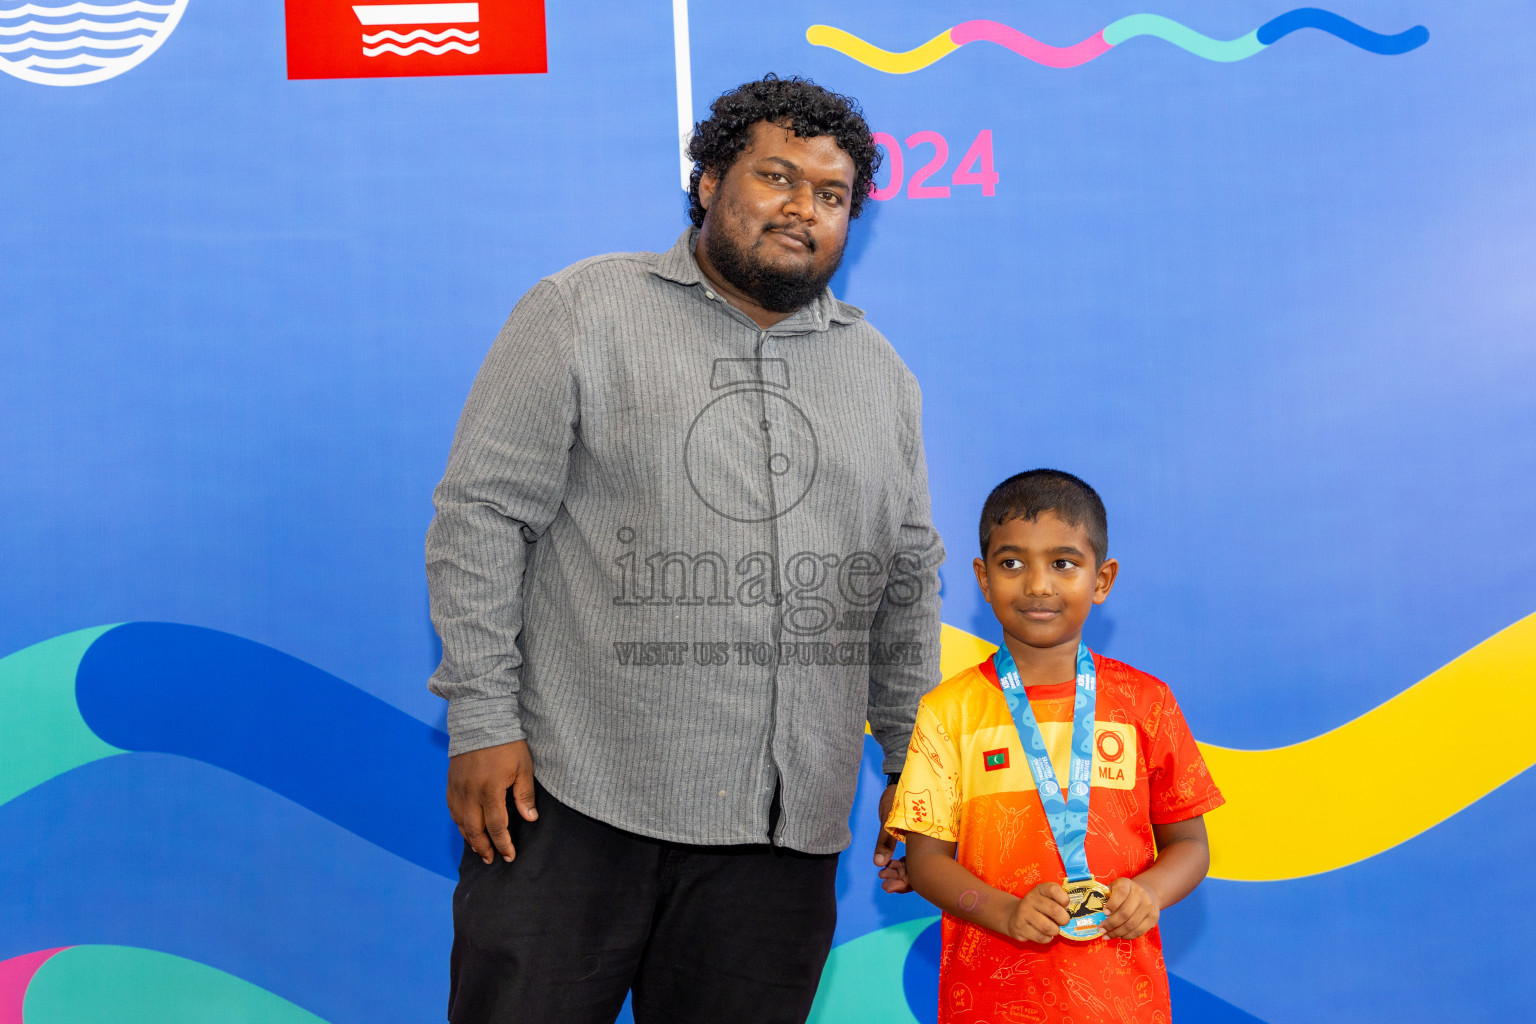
{"x":709,"y":181}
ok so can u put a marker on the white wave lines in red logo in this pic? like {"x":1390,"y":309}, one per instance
{"x":345,"y":39}
{"x":462,"y":36}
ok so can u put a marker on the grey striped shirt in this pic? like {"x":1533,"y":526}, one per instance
{"x":684,"y":557}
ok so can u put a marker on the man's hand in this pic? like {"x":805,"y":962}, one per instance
{"x":893,"y":872}
{"x":1133,"y":911}
{"x":1039,"y":915}
{"x":478,"y":781}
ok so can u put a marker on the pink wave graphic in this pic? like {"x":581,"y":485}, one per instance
{"x":15,"y":975}
{"x":1027,"y":46}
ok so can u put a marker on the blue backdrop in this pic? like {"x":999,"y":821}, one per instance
{"x":1265,"y":283}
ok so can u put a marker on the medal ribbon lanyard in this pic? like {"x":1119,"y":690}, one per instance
{"x":1068,"y":817}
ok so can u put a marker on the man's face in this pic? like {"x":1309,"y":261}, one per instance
{"x":1040,"y":579}
{"x":776,"y":222}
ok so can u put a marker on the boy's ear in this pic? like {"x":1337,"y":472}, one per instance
{"x":1106,"y":580}
{"x":981,"y":578}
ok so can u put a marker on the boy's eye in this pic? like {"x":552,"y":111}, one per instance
{"x":1063,"y":564}
{"x":1011,"y":563}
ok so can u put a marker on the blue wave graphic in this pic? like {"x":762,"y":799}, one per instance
{"x":1194,"y":1005}
{"x":183,"y":854}
{"x":1343,"y":28}
{"x":281,"y":723}
{"x":166,"y":853}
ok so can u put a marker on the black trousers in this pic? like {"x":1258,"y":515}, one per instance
{"x":587,"y":912}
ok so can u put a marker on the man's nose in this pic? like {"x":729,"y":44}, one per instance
{"x":801,"y":202}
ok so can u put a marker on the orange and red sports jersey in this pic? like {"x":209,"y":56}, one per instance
{"x":966,"y":781}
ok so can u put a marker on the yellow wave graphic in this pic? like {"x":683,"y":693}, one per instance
{"x":881,"y":60}
{"x":1370,"y":784}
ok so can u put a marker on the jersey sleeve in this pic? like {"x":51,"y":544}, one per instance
{"x":1180,"y":785}
{"x":927,"y":798}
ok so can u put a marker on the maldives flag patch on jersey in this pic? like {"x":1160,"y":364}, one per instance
{"x":995,"y":759}
{"x":342,"y":39}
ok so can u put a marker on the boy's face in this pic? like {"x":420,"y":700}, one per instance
{"x":1040,"y":579}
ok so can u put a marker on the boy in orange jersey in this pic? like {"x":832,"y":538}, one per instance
{"x":1067,"y":782}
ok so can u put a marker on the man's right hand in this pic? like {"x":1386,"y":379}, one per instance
{"x":478,"y":781}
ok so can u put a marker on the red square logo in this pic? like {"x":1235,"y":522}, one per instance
{"x":344,"y":39}
{"x":995,"y":759}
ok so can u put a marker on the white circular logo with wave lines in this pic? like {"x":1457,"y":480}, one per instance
{"x":82,"y":43}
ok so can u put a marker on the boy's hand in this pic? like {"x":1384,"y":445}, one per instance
{"x":893,"y":869}
{"x":893,"y":877}
{"x":1132,"y":910}
{"x":1039,"y":915}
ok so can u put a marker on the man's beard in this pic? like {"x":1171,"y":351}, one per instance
{"x":776,"y":290}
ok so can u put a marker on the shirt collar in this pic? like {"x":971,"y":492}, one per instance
{"x":679,"y":264}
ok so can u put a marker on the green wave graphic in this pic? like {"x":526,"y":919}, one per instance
{"x":126,"y":985}
{"x":1182,"y":36}
{"x":41,"y":731}
{"x":862,"y":982}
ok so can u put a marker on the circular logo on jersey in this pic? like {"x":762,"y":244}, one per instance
{"x":751,"y":455}
{"x":1111,"y":746}
{"x":53,"y":43}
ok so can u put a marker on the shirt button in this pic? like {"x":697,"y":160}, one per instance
{"x":709,"y":294}
{"x":722,"y":792}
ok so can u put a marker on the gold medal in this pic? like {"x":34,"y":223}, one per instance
{"x":1085,"y":902}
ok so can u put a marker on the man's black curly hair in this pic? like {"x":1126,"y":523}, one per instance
{"x":797,"y":103}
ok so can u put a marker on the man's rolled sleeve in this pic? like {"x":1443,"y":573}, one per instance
{"x":906,"y":626}
{"x":504,"y":484}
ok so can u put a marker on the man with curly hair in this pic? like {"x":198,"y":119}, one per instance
{"x":682,"y":552}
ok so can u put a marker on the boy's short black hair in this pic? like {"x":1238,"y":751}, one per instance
{"x":1026,"y":495}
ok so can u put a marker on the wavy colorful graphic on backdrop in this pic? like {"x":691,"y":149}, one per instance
{"x":226,"y":827}
{"x":191,"y":860}
{"x":124,"y":985}
{"x":1270,"y":830}
{"x":146,"y":687}
{"x":260,"y":714}
{"x":871,"y":980}
{"x":1112,"y":35}
{"x":327,"y":848}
